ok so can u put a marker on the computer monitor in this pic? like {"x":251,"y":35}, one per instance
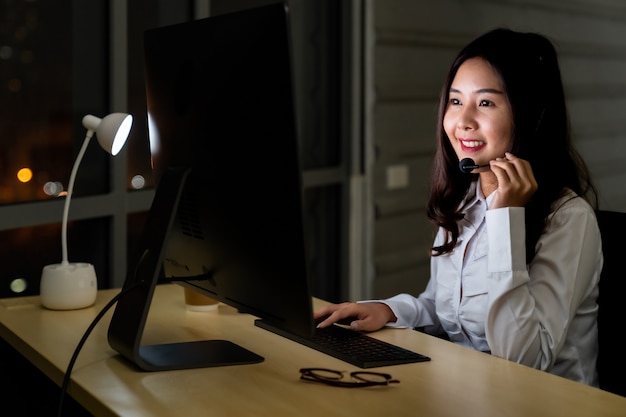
{"x":227,"y":213}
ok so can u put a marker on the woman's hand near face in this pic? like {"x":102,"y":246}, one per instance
{"x":516,"y":182}
{"x":367,"y":316}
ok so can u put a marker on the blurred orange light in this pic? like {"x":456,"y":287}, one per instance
{"x":24,"y":174}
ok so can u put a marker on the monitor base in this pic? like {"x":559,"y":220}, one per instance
{"x":200,"y":354}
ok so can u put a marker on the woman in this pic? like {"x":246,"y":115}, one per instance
{"x":517,"y":257}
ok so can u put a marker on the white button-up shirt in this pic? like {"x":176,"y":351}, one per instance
{"x":484,"y":296}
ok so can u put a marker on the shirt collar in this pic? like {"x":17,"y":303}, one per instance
{"x":474,"y":196}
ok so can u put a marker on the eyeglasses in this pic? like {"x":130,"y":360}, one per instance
{"x":334,"y":378}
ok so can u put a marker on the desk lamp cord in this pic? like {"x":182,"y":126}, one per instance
{"x":66,"y":377}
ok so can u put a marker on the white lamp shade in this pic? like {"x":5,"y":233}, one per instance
{"x":111,"y":131}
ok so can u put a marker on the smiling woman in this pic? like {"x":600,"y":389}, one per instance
{"x":478,"y":118}
{"x":517,"y":257}
{"x":479,"y":124}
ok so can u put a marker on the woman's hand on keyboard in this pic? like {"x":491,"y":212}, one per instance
{"x":368,"y":316}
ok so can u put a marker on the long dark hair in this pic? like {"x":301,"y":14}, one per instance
{"x":528,"y":66}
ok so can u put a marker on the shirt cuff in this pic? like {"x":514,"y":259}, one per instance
{"x":506,"y":234}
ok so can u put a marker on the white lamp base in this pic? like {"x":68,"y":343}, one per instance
{"x":68,"y":286}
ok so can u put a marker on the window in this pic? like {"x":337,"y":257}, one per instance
{"x":62,"y":60}
{"x":55,"y":68}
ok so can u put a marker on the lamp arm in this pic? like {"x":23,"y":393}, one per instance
{"x":70,"y":188}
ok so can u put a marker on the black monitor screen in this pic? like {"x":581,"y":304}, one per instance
{"x":227,"y":213}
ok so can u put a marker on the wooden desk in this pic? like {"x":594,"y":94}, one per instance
{"x":457,"y":382}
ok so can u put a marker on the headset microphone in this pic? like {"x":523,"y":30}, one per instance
{"x":467,"y":165}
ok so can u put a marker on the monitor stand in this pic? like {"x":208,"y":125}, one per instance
{"x":129,"y":318}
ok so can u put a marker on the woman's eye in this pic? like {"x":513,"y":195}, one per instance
{"x":455,"y":101}
{"x":485,"y":103}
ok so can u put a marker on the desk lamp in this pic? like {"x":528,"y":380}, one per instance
{"x":69,"y":286}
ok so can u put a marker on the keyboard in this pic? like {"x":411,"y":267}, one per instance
{"x":350,"y":346}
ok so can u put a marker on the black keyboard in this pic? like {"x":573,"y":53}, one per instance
{"x":351,"y":346}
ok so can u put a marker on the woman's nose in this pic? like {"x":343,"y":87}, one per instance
{"x":467,"y":118}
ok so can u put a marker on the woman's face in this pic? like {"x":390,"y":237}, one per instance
{"x":478,"y":118}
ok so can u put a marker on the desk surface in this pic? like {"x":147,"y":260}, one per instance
{"x":458,"y":381}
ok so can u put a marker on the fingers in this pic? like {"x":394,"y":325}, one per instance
{"x":335,"y":313}
{"x":368,"y":316}
{"x":516,"y":181}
